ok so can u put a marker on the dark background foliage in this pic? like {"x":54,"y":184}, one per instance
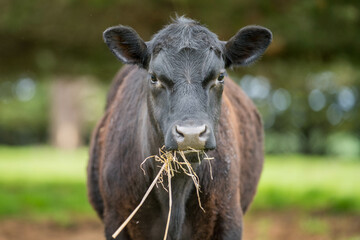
{"x":307,"y":85}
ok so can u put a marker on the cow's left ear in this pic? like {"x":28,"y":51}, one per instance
{"x":126,"y":45}
{"x":246,"y":46}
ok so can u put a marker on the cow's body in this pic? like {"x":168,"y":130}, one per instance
{"x":117,"y":183}
{"x":126,"y":135}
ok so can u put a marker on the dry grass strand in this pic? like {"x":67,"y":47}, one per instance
{"x":170,"y":165}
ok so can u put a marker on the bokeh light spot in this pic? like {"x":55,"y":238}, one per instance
{"x":317,"y":100}
{"x":25,"y":89}
{"x":281,"y":99}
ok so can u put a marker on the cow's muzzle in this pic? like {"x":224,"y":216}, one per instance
{"x":190,"y":135}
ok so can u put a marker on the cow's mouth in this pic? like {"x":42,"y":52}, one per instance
{"x":191,"y":155}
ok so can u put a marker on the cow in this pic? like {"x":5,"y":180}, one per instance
{"x":175,"y":93}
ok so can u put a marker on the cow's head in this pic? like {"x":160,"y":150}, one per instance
{"x":186,"y":75}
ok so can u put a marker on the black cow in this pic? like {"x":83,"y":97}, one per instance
{"x":176,"y":93}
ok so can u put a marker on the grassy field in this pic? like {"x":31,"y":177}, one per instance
{"x":45,"y":183}
{"x":310,"y":183}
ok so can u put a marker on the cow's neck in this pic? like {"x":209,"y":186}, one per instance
{"x":181,"y":184}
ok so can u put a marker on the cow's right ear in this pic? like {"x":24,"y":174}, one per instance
{"x":126,"y":45}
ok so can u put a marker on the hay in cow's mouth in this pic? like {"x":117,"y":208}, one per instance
{"x":171,"y":164}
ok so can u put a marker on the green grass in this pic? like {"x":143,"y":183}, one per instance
{"x":309,"y":183}
{"x":41,"y":164}
{"x":45,"y":183}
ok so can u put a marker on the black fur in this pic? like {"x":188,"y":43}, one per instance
{"x":176,"y":81}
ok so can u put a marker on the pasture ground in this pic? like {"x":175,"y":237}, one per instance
{"x":263,"y":225}
{"x":43,"y":196}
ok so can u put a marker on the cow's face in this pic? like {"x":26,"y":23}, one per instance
{"x":186,"y":75}
{"x":185,"y":95}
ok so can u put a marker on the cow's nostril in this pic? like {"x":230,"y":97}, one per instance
{"x":203,"y":133}
{"x":181,"y":134}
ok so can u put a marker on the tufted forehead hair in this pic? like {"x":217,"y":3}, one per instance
{"x":187,"y":36}
{"x":184,"y":33}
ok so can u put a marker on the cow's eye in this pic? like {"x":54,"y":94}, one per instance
{"x":153,"y":79}
{"x":221,"y":77}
